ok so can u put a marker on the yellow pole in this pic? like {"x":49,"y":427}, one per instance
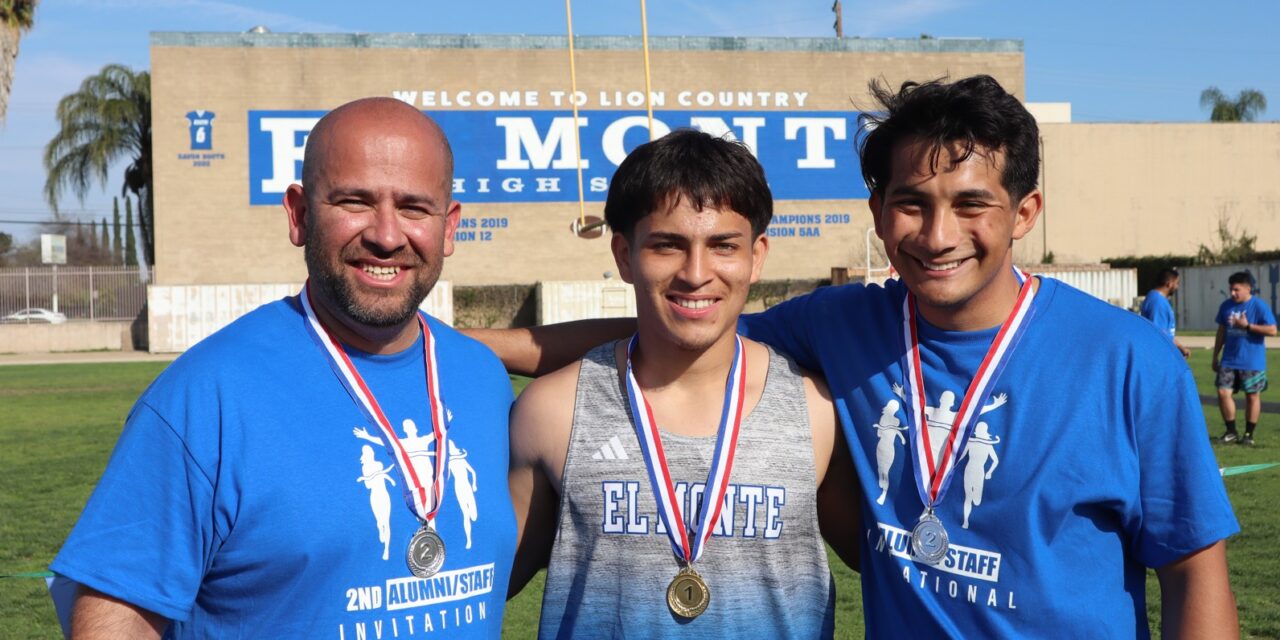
{"x":573,"y":101}
{"x":648,"y":87}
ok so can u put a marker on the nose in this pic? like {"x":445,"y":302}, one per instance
{"x":384,"y":232}
{"x":939,"y":230}
{"x":696,"y":270}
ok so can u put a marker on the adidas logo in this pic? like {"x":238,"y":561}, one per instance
{"x":612,"y":450}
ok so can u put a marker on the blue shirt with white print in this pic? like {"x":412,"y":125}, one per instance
{"x":249,"y":496}
{"x":1089,"y":463}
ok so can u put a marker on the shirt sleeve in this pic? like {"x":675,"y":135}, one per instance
{"x":786,"y":327}
{"x":147,"y":532}
{"x":1183,"y":505}
{"x":1265,"y":316}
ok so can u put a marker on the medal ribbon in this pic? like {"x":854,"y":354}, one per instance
{"x":933,"y":477}
{"x":415,"y":490}
{"x":687,"y":548}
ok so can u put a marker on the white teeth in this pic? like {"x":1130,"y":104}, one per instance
{"x":944,"y":266}
{"x":381,"y":273}
{"x":694,"y":304}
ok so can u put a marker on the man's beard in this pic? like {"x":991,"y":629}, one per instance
{"x":328,"y":277}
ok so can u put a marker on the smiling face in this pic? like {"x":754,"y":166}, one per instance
{"x":376,"y":217}
{"x":691,"y":270}
{"x":948,"y":228}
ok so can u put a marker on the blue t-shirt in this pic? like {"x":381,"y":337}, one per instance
{"x":1157,"y":309}
{"x":1090,"y":463}
{"x":1243,"y":349}
{"x":249,"y":497}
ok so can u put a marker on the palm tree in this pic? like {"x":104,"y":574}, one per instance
{"x":16,"y":16}
{"x":1246,"y":107}
{"x":107,"y":119}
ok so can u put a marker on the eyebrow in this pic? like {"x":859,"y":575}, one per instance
{"x":400,"y":197}
{"x":669,"y":236}
{"x":908,"y":190}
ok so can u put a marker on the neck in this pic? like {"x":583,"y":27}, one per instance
{"x":987,"y":308}
{"x":376,"y":340}
{"x":658,"y":363}
{"x":1164,"y":290}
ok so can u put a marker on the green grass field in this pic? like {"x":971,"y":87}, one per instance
{"x":58,"y":424}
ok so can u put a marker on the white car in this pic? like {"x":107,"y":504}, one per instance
{"x":36,"y":315}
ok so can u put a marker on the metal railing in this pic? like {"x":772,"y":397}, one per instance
{"x":79,"y":293}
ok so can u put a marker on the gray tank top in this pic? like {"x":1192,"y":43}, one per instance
{"x":766,"y":564}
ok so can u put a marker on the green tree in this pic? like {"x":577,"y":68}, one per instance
{"x":116,"y":247}
{"x":16,"y":17}
{"x":6,"y":245}
{"x":104,"y":243}
{"x":106,"y":119}
{"x":130,"y":240}
{"x":1245,"y":107}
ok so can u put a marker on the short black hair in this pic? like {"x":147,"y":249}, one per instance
{"x":686,"y":163}
{"x":973,"y":112}
{"x":1241,"y":277}
{"x":1166,"y":276}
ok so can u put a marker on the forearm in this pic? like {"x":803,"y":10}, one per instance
{"x":1263,"y":329}
{"x":97,"y":616}
{"x":534,"y":351}
{"x":1195,"y":596}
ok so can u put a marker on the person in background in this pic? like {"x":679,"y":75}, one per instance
{"x":1244,"y":321}
{"x":1156,"y":307}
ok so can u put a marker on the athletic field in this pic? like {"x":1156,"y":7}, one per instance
{"x":58,"y":424}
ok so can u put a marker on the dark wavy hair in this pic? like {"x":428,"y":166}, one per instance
{"x":974,"y":112}
{"x":707,"y":171}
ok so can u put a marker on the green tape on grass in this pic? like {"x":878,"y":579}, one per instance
{"x":1248,"y":468}
{"x":28,"y":574}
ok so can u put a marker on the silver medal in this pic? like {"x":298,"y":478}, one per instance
{"x":426,"y":552}
{"x":929,"y":540}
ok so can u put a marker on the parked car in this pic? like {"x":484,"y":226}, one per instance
{"x":36,"y":315}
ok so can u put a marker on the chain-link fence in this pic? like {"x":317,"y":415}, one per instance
{"x":78,"y":293}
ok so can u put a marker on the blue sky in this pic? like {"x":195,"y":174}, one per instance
{"x":1114,"y":61}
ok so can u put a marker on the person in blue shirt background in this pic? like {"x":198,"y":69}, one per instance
{"x":1243,"y":323}
{"x":1157,"y":309}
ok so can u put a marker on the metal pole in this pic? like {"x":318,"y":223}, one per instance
{"x":93,"y":294}
{"x":26,"y":271}
{"x":55,"y":288}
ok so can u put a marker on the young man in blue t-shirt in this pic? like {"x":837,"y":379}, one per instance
{"x":1243,"y":324}
{"x":1156,"y":307}
{"x":331,"y":465}
{"x":1041,"y":474}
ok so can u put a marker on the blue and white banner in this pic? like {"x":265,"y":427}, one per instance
{"x":528,"y":156}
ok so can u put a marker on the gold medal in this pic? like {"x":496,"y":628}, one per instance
{"x":688,"y":595}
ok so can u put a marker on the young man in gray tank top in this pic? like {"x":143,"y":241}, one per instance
{"x":611,"y":454}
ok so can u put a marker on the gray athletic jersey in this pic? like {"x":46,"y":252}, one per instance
{"x":766,"y":564}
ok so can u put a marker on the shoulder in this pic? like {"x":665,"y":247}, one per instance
{"x":271,"y":334}
{"x":1107,"y":328}
{"x":816,"y":393}
{"x":543,"y":414}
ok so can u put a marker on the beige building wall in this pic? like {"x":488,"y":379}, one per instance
{"x":1115,"y":190}
{"x":208,"y":233}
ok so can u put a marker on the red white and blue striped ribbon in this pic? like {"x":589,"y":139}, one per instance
{"x":690,"y":547}
{"x":933,"y":476}
{"x":424,"y":505}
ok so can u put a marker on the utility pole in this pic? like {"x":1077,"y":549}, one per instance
{"x":839,"y":25}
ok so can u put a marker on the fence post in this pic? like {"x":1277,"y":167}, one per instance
{"x":26,"y":272}
{"x":93,"y":294}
